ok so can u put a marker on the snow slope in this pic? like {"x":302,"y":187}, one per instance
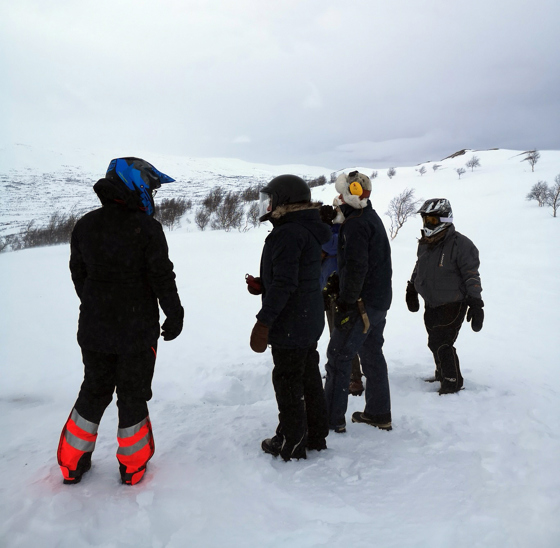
{"x":475,"y":469}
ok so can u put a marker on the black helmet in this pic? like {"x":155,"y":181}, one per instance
{"x":284,"y":189}
{"x":437,"y":215}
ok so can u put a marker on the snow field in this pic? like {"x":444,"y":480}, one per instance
{"x":475,"y":469}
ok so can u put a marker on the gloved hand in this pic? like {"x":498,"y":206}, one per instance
{"x":412,"y":297}
{"x":173,"y":325}
{"x":259,"y":337}
{"x":475,"y":314}
{"x":254,"y":285}
{"x":346,"y":315}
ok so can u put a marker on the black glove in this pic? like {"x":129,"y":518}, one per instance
{"x":412,"y":297}
{"x":346,"y":315}
{"x":173,"y":325}
{"x":330,"y":291}
{"x":475,"y":314}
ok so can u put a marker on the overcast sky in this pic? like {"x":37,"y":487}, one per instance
{"x":334,"y":83}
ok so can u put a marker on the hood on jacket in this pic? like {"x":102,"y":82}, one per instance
{"x":115,"y":191}
{"x":305,"y":214}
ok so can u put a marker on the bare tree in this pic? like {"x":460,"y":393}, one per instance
{"x":229,"y":213}
{"x":253,"y":215}
{"x":554,"y":196}
{"x":333,"y":176}
{"x":460,"y":171}
{"x":422,"y":170}
{"x":401,"y":207}
{"x":473,"y":162}
{"x":202,"y":218}
{"x":539,"y":191}
{"x":213,"y":199}
{"x":532,"y":156}
{"x":391,"y":172}
{"x":373,"y":175}
{"x":435,"y":167}
{"x":170,"y":210}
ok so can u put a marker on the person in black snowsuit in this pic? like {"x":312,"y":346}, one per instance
{"x":121,"y":270}
{"x":291,"y":318}
{"x":446,"y":276}
{"x":364,"y":270}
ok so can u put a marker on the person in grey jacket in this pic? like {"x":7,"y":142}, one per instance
{"x":446,"y":276}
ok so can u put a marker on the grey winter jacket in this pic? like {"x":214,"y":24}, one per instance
{"x":447,"y":271}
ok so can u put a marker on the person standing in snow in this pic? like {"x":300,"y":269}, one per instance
{"x":121,"y":270}
{"x":364,"y":269}
{"x":446,"y":276}
{"x":291,"y":317}
{"x":333,"y":217}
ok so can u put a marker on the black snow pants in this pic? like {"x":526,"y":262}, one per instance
{"x":130,"y":374}
{"x":443,"y":324}
{"x":299,"y":392}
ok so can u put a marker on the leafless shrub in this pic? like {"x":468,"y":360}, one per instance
{"x":250,"y":194}
{"x":401,"y":207}
{"x":202,"y":218}
{"x":213,"y":199}
{"x":169,"y":211}
{"x":539,"y":191}
{"x":253,"y":215}
{"x":473,"y":162}
{"x":391,"y":172}
{"x":373,"y":175}
{"x":532,"y":156}
{"x":318,"y":181}
{"x":422,"y":170}
{"x":460,"y":171}
{"x":229,"y":213}
{"x":435,"y":167}
{"x":333,"y":177}
{"x":58,"y":230}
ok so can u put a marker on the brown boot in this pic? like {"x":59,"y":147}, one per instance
{"x":356,"y":387}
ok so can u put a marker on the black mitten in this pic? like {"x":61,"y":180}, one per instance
{"x":475,"y":314}
{"x":173,"y":325}
{"x":412,"y":297}
{"x":346,"y":315}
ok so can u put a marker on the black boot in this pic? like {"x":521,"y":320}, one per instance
{"x":84,"y":464}
{"x":450,"y":386}
{"x":277,"y":445}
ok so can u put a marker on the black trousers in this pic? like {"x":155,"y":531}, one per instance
{"x":443,"y":324}
{"x":130,"y":374}
{"x":299,"y":393}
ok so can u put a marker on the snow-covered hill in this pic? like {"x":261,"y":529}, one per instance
{"x":478,"y":468}
{"x":36,"y":182}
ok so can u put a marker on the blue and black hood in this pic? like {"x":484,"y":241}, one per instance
{"x":131,"y":181}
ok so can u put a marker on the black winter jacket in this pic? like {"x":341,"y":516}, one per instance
{"x":447,"y":271}
{"x":364,"y":258}
{"x":120,"y":269}
{"x":292,"y":302}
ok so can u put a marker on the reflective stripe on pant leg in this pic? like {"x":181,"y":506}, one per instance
{"x":136,"y":448}
{"x":77,"y":438}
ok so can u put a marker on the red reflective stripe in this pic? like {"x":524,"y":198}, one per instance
{"x":126,"y":442}
{"x":78,"y":432}
{"x":154,"y":351}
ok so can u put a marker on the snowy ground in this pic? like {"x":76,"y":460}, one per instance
{"x":476,"y":469}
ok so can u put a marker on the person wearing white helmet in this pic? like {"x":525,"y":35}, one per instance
{"x":446,"y":276}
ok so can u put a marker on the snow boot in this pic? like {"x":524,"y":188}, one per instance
{"x":75,"y":476}
{"x":382,"y":422}
{"x":278,"y":446}
{"x":435,"y":378}
{"x":450,"y":386}
{"x":356,"y":387}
